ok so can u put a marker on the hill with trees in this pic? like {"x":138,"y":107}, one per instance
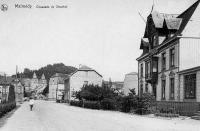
{"x":48,"y":71}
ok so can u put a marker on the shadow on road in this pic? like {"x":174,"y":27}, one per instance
{"x":5,"y":117}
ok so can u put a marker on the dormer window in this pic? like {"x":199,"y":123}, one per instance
{"x":155,"y":40}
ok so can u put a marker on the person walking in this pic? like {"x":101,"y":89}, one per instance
{"x":31,"y":103}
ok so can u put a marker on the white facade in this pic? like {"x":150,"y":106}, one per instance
{"x":76,"y":81}
{"x":56,"y":84}
{"x":130,"y":82}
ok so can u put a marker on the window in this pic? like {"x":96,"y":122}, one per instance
{"x":148,"y":66}
{"x":141,"y":89}
{"x":141,"y":70}
{"x":190,"y":86}
{"x":172,"y":57}
{"x":171,"y":88}
{"x":146,"y":87}
{"x":163,"y":61}
{"x":163,"y":90}
{"x":155,"y":40}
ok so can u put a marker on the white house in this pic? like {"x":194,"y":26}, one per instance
{"x":84,"y":75}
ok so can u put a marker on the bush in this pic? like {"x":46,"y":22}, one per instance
{"x":4,"y":108}
{"x":145,"y":102}
{"x":91,"y":104}
{"x":76,"y":103}
{"x":108,"y":104}
{"x":129,"y":103}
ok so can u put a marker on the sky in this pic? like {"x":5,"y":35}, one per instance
{"x":102,"y":34}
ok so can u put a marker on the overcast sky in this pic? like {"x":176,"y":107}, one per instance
{"x":102,"y":34}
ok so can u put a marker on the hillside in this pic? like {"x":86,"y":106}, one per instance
{"x":48,"y":71}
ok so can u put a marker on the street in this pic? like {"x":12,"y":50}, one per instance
{"x":50,"y":116}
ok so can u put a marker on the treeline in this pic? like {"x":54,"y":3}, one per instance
{"x":48,"y":71}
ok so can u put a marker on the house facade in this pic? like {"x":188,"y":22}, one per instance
{"x":131,"y":82}
{"x":56,"y":85}
{"x":169,"y":64}
{"x":84,"y":75}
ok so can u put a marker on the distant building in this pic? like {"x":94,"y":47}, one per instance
{"x":117,"y":86}
{"x":84,"y":75}
{"x":6,"y":83}
{"x":130,"y":82}
{"x":56,"y":85}
{"x":34,"y":83}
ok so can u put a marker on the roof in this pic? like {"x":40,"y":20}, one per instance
{"x":186,"y":15}
{"x":171,"y":21}
{"x":85,"y":68}
{"x":60,"y":75}
{"x":194,"y":69}
{"x":144,"y":43}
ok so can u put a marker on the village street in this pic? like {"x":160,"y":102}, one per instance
{"x":50,"y":116}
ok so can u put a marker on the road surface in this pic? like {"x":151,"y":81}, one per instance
{"x":50,"y":116}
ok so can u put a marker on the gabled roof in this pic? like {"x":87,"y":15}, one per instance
{"x":85,"y":68}
{"x":186,"y":15}
{"x":144,"y":43}
{"x":171,"y":20}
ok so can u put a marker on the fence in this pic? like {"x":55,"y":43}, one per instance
{"x":181,"y":108}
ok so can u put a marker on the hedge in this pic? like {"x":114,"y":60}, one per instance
{"x":4,"y":108}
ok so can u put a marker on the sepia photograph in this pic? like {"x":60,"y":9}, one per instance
{"x":99,"y":65}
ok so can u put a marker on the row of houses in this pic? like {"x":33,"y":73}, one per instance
{"x":63,"y":86}
{"x":169,"y":66}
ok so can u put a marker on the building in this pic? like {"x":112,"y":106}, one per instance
{"x":131,"y":82}
{"x":117,"y":86}
{"x":84,"y":75}
{"x":56,"y":85}
{"x":8,"y":84}
{"x":34,"y":83}
{"x":19,"y":90}
{"x":169,"y":64}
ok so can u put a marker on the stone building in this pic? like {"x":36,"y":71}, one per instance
{"x":130,"y":82}
{"x":169,"y":64}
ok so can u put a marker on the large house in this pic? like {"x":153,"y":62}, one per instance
{"x":169,"y":64}
{"x":84,"y":75}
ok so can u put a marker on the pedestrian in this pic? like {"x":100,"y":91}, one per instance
{"x":31,"y":103}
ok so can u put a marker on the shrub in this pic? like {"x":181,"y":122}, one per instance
{"x":129,"y":103}
{"x":91,"y":104}
{"x":145,"y":102}
{"x":76,"y":103}
{"x":108,"y":104}
{"x":4,"y":108}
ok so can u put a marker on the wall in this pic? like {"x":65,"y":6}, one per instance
{"x":77,"y":80}
{"x":130,"y":82}
{"x":166,"y":73}
{"x":189,"y":53}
